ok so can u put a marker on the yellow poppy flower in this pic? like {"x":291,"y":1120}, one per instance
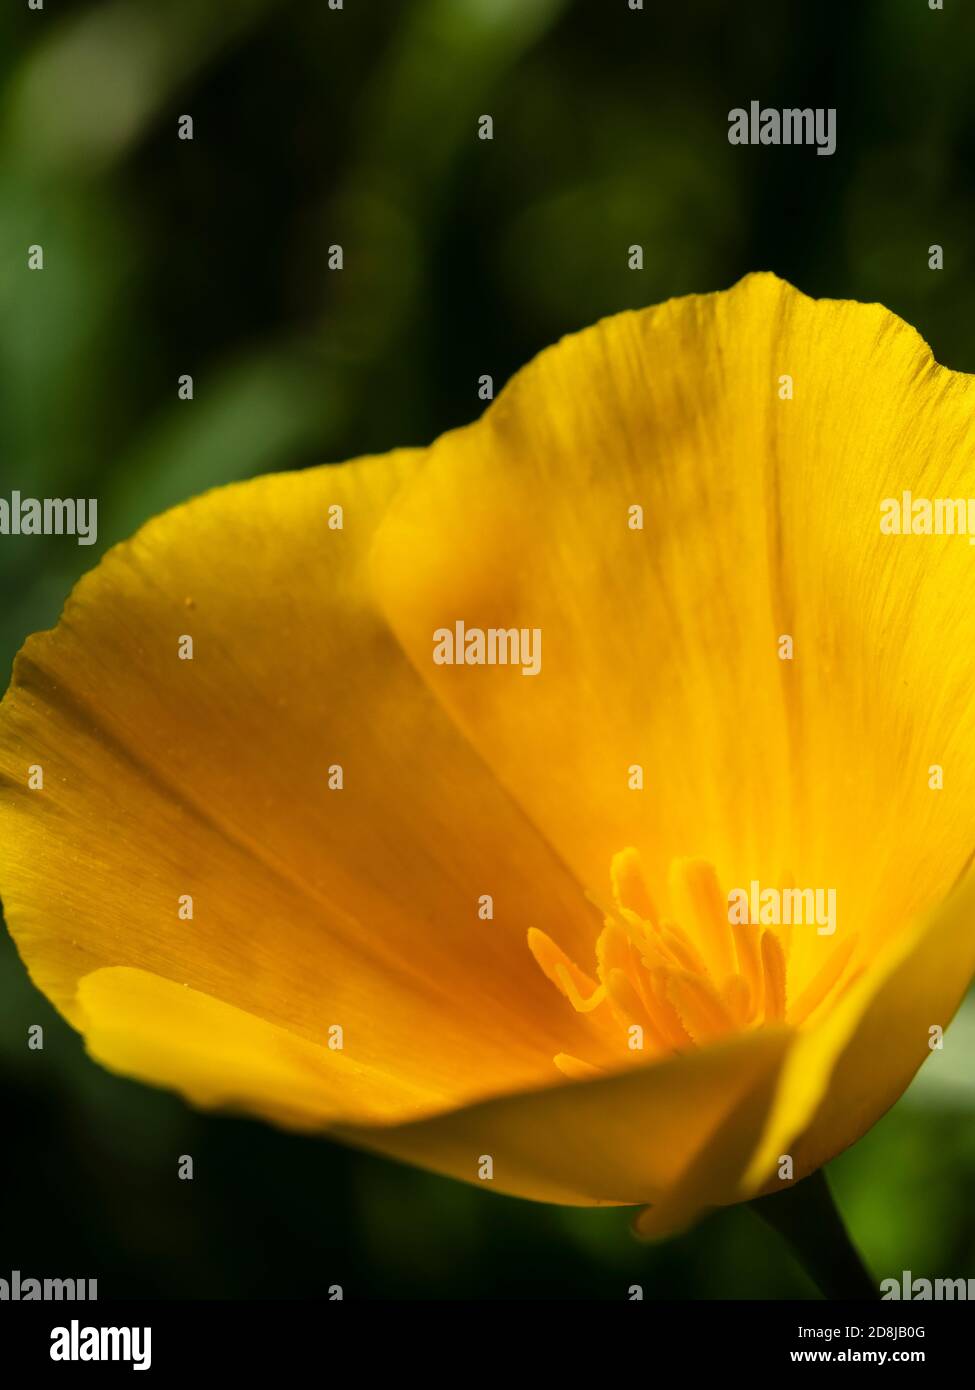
{"x":429,"y":837}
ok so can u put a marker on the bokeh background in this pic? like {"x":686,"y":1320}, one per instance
{"x":462,"y":257}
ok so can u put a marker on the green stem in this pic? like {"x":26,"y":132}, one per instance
{"x":805,"y":1216}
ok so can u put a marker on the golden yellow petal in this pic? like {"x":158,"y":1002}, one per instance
{"x":846,"y":1072}
{"x":145,"y":1026}
{"x":662,"y":646}
{"x":687,"y":1125}
{"x":167,"y":779}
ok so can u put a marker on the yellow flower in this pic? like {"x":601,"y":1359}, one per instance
{"x":456,"y":912}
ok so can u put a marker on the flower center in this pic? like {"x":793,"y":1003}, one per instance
{"x":668,"y":984}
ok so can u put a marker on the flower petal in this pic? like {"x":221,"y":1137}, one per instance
{"x":687,"y":1125}
{"x":678,"y":1133}
{"x":142,"y":1025}
{"x":844,"y":1074}
{"x":209,"y":778}
{"x":661,"y":645}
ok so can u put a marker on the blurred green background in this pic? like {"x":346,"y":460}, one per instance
{"x":209,"y":257}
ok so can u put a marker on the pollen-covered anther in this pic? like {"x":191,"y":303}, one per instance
{"x":664,"y":984}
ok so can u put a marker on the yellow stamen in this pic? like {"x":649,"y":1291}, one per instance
{"x":773,"y":962}
{"x":685,"y":980}
{"x":582,"y":1006}
{"x":553,"y":960}
{"x":747,"y":938}
{"x":737,"y":998}
{"x":703,"y":909}
{"x":625,"y":999}
{"x":701,"y":1009}
{"x":575,"y":1067}
{"x":629,"y":886}
{"x":664,"y":1013}
{"x":680,"y":949}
